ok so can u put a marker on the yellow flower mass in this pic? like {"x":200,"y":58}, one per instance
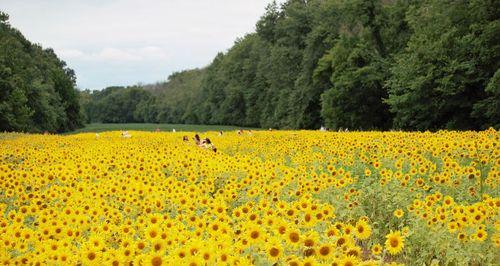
{"x":280,"y":197}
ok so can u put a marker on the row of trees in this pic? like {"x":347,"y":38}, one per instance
{"x":173,"y":101}
{"x":361,"y":64}
{"x":37,"y":90}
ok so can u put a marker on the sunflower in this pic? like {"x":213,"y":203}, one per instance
{"x":280,"y":227}
{"x":348,"y":229}
{"x":349,"y":261}
{"x":112,"y":257}
{"x":152,"y":232}
{"x":90,"y":256}
{"x":310,"y":239}
{"x":223,"y":257}
{"x":353,"y":251}
{"x":481,"y":235}
{"x":368,"y":172}
{"x":292,"y":260}
{"x":362,"y":230}
{"x":325,"y":251}
{"x":158,"y":245}
{"x":293,"y":237}
{"x":452,"y":227}
{"x":394,"y":243}
{"x":332,"y":231}
{"x":309,"y":261}
{"x":376,"y":249}
{"x":155,"y":260}
{"x":496,"y":239}
{"x":208,"y":254}
{"x":344,"y":240}
{"x":399,"y":213}
{"x":462,"y":236}
{"x":194,"y":261}
{"x":274,"y":250}
{"x":254,"y":233}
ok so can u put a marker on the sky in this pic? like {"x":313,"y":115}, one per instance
{"x":126,"y":42}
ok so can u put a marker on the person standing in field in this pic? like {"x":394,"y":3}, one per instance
{"x":125,"y":134}
{"x":197,"y":140}
{"x":207,"y":144}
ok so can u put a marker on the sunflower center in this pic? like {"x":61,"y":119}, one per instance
{"x":309,"y":243}
{"x":274,"y":252}
{"x":91,"y":256}
{"x":156,"y":261}
{"x":324,"y":251}
{"x":394,"y":242}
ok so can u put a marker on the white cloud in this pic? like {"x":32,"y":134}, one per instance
{"x":120,"y":41}
{"x":109,"y":54}
{"x":69,"y":53}
{"x":153,"y":52}
{"x":113,"y":54}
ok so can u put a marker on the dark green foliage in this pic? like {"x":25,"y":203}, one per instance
{"x":487,"y":111}
{"x":361,"y":64}
{"x":168,"y":102}
{"x":357,"y":77}
{"x":176,"y":100}
{"x":440,"y":79}
{"x":37,"y":90}
{"x":118,"y":105}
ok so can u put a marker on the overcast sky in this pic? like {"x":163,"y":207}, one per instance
{"x":124,"y":42}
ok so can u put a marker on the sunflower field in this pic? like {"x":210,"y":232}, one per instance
{"x":264,"y":198}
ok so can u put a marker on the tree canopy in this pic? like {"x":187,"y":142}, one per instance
{"x":37,"y":90}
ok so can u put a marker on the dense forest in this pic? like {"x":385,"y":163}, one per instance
{"x":37,"y":90}
{"x":359,"y":64}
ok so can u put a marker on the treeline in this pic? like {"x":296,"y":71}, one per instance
{"x":173,"y":101}
{"x":37,"y":90}
{"x":360,"y":64}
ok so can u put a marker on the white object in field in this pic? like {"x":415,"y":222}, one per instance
{"x":173,"y":130}
{"x":322,"y":128}
{"x":125,"y":134}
